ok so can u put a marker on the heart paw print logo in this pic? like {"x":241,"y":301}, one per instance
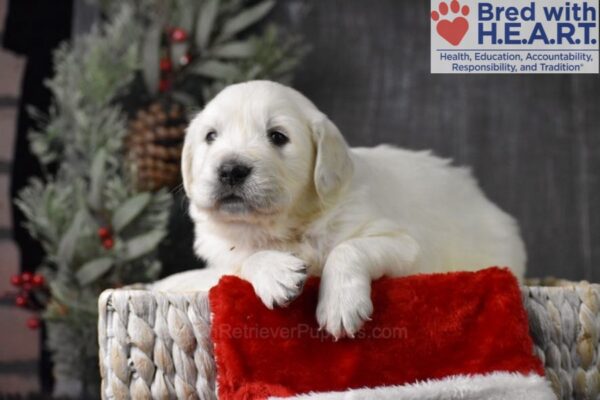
{"x":451,"y":23}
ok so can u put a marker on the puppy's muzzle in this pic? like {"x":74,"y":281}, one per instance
{"x":233,"y":173}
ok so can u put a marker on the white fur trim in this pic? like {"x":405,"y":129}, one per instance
{"x":494,"y":386}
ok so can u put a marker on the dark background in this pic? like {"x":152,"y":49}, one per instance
{"x":533,"y":141}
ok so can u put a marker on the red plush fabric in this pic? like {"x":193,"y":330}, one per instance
{"x":423,"y":327}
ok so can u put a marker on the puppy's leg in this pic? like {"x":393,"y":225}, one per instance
{"x":345,"y":291}
{"x":277,"y":277}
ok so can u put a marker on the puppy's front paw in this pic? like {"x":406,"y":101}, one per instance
{"x":344,"y":305}
{"x":277,"y":277}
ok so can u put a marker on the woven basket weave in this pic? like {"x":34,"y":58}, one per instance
{"x":564,"y":322}
{"x":157,"y":345}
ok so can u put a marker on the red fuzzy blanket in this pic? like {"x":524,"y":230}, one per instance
{"x":442,"y":328}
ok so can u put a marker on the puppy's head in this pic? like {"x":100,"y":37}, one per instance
{"x":262,"y":149}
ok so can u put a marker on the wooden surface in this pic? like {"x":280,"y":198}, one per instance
{"x":533,"y":140}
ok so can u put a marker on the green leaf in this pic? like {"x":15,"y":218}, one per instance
{"x":184,"y":14}
{"x":70,"y":298}
{"x":143,"y":244}
{"x":240,"y":49}
{"x":62,"y":293}
{"x":151,"y":58}
{"x":153,"y":269}
{"x":245,"y":19}
{"x":206,"y":21}
{"x":92,"y":270}
{"x":184,"y":98}
{"x":97,"y":178}
{"x":129,"y":210}
{"x":254,"y":72}
{"x":217,"y":70}
{"x":68,"y":243}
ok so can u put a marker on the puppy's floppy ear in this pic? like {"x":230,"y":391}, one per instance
{"x":333,"y":165}
{"x":186,"y":161}
{"x":187,"y":153}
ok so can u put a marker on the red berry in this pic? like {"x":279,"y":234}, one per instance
{"x":108,"y":243}
{"x":38,"y":280}
{"x":185,"y":59}
{"x":33,"y":323}
{"x":21,"y":301}
{"x":103,"y":232}
{"x":16,"y":280}
{"x":178,"y":35}
{"x":165,"y":64}
{"x":164,"y":85}
{"x":26,"y":287}
{"x":26,"y":277}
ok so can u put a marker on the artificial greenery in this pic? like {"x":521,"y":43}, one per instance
{"x":222,"y":45}
{"x":84,"y":191}
{"x":97,"y":229}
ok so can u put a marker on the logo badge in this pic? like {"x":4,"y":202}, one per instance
{"x":514,"y":36}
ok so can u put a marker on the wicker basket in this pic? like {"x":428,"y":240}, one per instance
{"x":564,"y":322}
{"x":157,"y":345}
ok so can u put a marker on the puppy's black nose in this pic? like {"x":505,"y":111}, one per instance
{"x":233,"y":173}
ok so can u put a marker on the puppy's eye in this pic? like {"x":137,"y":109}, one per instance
{"x":277,"y":138}
{"x":210,"y":137}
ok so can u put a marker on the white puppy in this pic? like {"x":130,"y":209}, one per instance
{"x":276,"y":195}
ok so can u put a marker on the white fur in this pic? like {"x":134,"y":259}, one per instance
{"x":348,"y":215}
{"x":494,"y":386}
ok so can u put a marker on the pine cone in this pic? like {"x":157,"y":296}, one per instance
{"x":154,"y":144}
